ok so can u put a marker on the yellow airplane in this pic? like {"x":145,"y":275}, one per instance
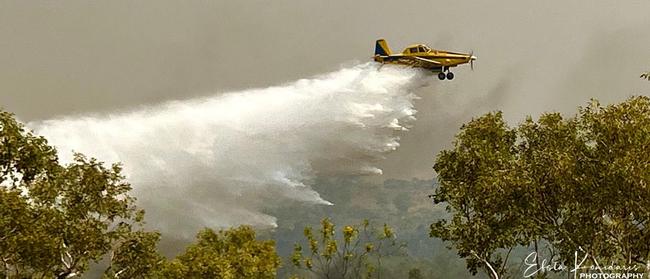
{"x":421,"y":56}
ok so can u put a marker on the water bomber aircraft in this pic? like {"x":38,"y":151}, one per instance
{"x":422,"y":56}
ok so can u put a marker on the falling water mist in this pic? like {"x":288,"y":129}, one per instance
{"x":219,"y":161}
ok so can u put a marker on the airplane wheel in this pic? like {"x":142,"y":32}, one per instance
{"x":441,"y":76}
{"x":450,"y":75}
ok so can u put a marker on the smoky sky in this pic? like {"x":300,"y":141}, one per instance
{"x":78,"y":57}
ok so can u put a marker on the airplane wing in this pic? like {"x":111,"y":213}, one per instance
{"x":426,"y":63}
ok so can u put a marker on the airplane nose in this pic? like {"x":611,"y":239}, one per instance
{"x":471,"y":61}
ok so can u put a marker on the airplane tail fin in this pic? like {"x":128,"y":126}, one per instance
{"x":381,"y":48}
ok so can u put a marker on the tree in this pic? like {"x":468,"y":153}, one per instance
{"x":475,"y":184}
{"x":56,"y":219}
{"x":349,"y":257}
{"x":576,"y":185}
{"x":136,"y":257}
{"x":228,"y":254}
{"x":415,"y":273}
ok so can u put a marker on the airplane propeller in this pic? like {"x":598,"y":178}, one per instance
{"x":471,"y":59}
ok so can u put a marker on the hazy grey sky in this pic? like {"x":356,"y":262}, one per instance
{"x":67,"y":57}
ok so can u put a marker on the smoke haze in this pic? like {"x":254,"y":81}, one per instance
{"x":96,"y":58}
{"x":66,"y":57}
{"x":221,"y":160}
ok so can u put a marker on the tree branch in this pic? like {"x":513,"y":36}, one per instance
{"x":494,"y":273}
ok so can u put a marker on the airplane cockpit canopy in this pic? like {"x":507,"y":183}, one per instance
{"x":417,"y":49}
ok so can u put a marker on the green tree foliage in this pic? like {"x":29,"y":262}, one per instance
{"x":415,"y":273}
{"x":357,"y":254}
{"x":577,"y":185}
{"x":54,"y":219}
{"x":136,"y":257}
{"x":408,"y":211}
{"x":470,"y":178}
{"x":230,"y":254}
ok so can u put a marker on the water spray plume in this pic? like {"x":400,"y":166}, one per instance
{"x":219,"y":161}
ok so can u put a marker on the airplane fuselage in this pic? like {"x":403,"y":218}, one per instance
{"x":444,"y":59}
{"x":421,"y":56}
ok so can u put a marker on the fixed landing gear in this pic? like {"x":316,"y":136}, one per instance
{"x":448,"y":76}
{"x":443,"y":76}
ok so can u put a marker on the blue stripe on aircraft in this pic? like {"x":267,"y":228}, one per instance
{"x":379,"y":50}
